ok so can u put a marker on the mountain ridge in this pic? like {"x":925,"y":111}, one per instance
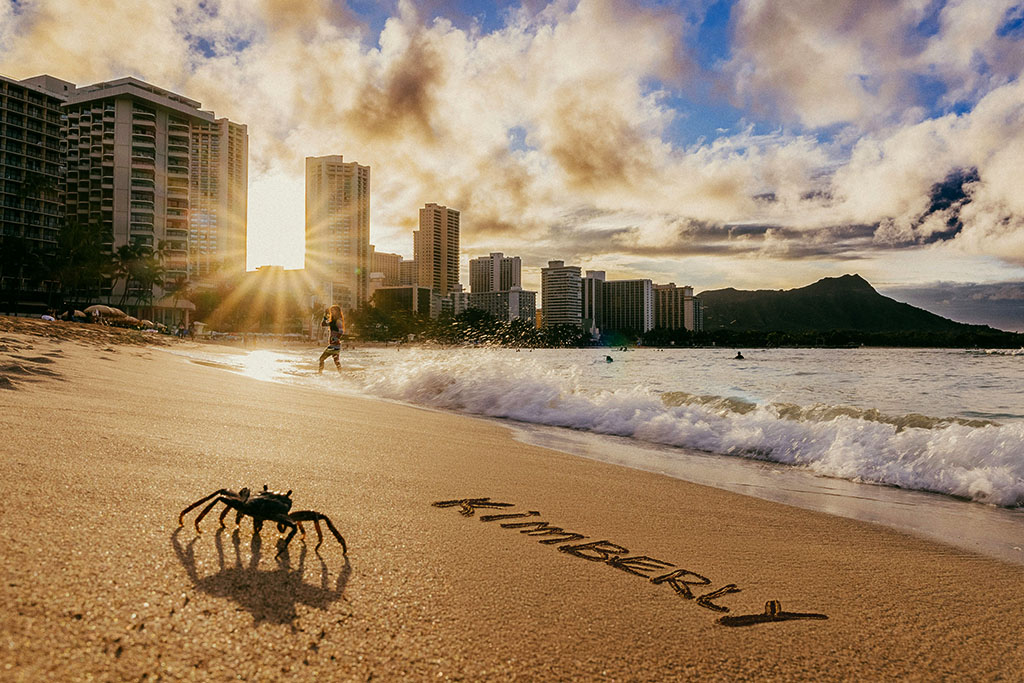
{"x":847,"y":302}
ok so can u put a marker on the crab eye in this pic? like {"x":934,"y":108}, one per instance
{"x":243,"y":494}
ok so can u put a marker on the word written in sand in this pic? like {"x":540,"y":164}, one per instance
{"x":659,"y":572}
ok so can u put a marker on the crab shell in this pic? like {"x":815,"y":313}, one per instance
{"x":269,"y":503}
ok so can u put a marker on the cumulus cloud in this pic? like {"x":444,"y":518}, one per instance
{"x":552,"y":132}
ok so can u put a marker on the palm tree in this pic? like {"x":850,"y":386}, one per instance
{"x":81,"y":261}
{"x":148,"y":273}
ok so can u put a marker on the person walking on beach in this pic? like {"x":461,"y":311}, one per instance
{"x":335,"y":322}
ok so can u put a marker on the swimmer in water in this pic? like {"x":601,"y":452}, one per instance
{"x":739,"y":356}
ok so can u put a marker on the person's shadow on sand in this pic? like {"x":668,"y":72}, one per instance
{"x":268,"y":594}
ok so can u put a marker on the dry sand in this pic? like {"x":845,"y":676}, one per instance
{"x":103,"y":444}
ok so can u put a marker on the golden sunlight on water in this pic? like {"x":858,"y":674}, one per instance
{"x":261,"y":364}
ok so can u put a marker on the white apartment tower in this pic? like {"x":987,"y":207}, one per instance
{"x":218,"y":191}
{"x":338,"y":229}
{"x":436,"y":249}
{"x":495,"y":273}
{"x":561,"y":294}
{"x":132,"y":168}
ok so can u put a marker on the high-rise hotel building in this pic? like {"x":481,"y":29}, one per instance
{"x":561,"y":294}
{"x":218,"y":198}
{"x":629,"y":305}
{"x":436,"y":249}
{"x":338,"y":229}
{"x":31,"y":164}
{"x":676,"y":308}
{"x":141,"y":164}
{"x":495,"y":273}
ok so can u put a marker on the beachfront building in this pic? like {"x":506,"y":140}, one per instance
{"x":388,"y":265}
{"x":561,"y":294}
{"x":32,"y":149}
{"x":628,"y":306}
{"x":512,"y":304}
{"x":436,"y":249}
{"x":456,"y":302}
{"x":133,"y":171}
{"x":218,"y":198}
{"x":338,"y":229}
{"x":411,"y":299}
{"x":676,"y":308}
{"x":495,"y":273}
{"x":593,"y":302}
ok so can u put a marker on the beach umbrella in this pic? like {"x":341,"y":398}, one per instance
{"x":131,"y":320}
{"x":78,"y":314}
{"x":117,"y":312}
{"x":147,"y":323}
{"x":98,"y":308}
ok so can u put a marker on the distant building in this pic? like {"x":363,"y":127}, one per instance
{"x":629,"y":306}
{"x":436,"y":248}
{"x":32,"y":162}
{"x":593,"y":302}
{"x":561,"y":294}
{"x":376,"y":281}
{"x":513,"y":304}
{"x":388,"y":265}
{"x":456,"y":302}
{"x":271,"y":300}
{"x":338,"y":228}
{"x":403,"y":298}
{"x":676,"y":308}
{"x":408,"y":272}
{"x":495,"y":273}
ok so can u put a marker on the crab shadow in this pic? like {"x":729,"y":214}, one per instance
{"x":270,"y":595}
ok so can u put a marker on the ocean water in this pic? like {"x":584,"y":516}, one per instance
{"x":820,"y":428}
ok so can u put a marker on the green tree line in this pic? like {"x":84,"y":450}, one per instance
{"x":80,"y":269}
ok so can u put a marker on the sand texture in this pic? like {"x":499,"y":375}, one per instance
{"x":102,"y":444}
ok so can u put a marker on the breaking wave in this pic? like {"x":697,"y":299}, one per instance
{"x":978,"y":460}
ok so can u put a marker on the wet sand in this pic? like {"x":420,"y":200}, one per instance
{"x":104,"y":443}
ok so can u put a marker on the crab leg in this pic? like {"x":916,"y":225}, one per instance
{"x":219,"y":492}
{"x":316,"y":517}
{"x":206,"y":510}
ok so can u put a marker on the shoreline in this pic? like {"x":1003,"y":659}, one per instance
{"x":990,"y":530}
{"x":106,"y":446}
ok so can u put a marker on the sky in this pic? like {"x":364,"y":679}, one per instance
{"x":756,"y":144}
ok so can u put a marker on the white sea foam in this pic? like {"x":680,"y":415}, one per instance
{"x":981,"y":463}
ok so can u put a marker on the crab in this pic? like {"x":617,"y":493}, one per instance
{"x":270,"y":506}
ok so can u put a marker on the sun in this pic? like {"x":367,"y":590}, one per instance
{"x":276,"y":221}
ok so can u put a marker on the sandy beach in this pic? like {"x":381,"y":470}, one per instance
{"x":105,"y":439}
